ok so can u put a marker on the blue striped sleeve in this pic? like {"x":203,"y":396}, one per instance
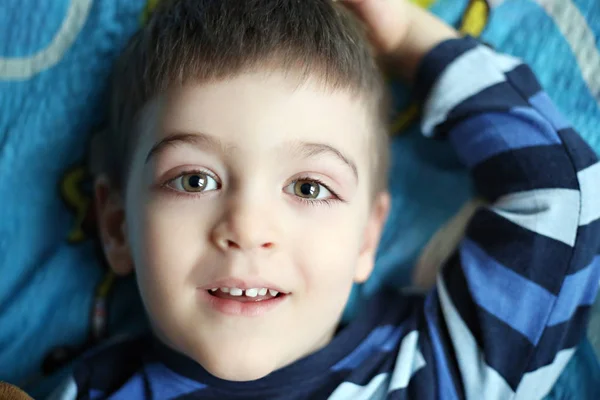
{"x":515,"y":297}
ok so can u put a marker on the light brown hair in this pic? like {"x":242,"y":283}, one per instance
{"x":195,"y":41}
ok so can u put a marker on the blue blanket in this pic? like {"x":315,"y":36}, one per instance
{"x":55,"y":58}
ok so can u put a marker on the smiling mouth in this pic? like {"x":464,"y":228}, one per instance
{"x":245,"y":296}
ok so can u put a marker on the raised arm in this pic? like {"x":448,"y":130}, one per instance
{"x":513,"y":301}
{"x":515,"y":297}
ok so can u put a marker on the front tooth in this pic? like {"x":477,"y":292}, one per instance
{"x":262,"y":291}
{"x":225,"y":289}
{"x":251,"y":292}
{"x":235,"y":292}
{"x":213,"y":289}
{"x":273,"y":292}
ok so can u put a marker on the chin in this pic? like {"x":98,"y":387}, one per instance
{"x":239,"y":369}
{"x":233,"y":359}
{"x":240,"y":374}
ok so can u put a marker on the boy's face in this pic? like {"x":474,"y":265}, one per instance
{"x":252,"y":182}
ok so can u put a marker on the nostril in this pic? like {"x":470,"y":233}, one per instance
{"x":232,"y":244}
{"x":267,"y":245}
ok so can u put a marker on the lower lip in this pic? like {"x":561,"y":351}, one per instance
{"x":237,"y":308}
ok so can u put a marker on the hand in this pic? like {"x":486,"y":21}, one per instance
{"x":387,"y":21}
{"x":401,"y":31}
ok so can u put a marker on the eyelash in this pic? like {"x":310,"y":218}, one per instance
{"x":165,"y":185}
{"x":327,"y":202}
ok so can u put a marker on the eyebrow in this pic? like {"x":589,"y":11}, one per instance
{"x":210,"y":143}
{"x":308,"y":150}
{"x":197,"y":139}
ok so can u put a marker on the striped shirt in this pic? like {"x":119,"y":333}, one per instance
{"x":509,"y":306}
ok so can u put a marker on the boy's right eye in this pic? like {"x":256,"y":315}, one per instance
{"x":194,"y":182}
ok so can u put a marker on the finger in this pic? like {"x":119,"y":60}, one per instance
{"x":382,"y":18}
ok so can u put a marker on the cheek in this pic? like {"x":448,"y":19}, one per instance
{"x":326,"y":257}
{"x":328,"y":249}
{"x":170,"y":242}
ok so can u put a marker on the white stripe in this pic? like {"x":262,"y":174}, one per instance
{"x":537,"y":384}
{"x":376,"y":389}
{"x":580,"y":37}
{"x":480,"y":381}
{"x":26,"y":67}
{"x":475,"y":70}
{"x":409,"y":361}
{"x":589,"y":184}
{"x":553,"y":213}
{"x":66,"y":391}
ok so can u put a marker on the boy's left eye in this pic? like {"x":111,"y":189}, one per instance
{"x":308,"y":189}
{"x":194,"y":183}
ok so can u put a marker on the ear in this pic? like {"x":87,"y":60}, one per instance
{"x":110,"y":209}
{"x":372,"y":234}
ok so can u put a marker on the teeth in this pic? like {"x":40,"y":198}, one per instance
{"x":253,"y":292}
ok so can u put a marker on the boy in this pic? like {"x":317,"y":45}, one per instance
{"x":245,"y":186}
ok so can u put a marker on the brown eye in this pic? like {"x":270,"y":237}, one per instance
{"x":194,"y":183}
{"x":307,"y":189}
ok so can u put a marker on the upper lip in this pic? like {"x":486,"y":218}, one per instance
{"x":242,"y":284}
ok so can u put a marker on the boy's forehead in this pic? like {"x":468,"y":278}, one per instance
{"x":261,"y":112}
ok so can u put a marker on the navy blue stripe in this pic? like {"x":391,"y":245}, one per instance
{"x":458,"y":290}
{"x":427,"y":377}
{"x":524,"y":80}
{"x":109,"y":369}
{"x":486,"y":329}
{"x":586,"y":247}
{"x":214,"y":394}
{"x":538,"y":258}
{"x":509,"y":355}
{"x":328,"y":386}
{"x":500,"y":98}
{"x":436,"y":61}
{"x":560,"y":337}
{"x":581,"y":153}
{"x":83,"y":396}
{"x":540,"y":167}
{"x":421,"y":386}
{"x":319,"y":383}
{"x":402,"y":394}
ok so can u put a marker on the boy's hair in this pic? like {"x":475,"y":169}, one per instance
{"x":196,"y":41}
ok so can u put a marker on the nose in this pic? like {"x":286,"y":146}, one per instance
{"x":244,"y":227}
